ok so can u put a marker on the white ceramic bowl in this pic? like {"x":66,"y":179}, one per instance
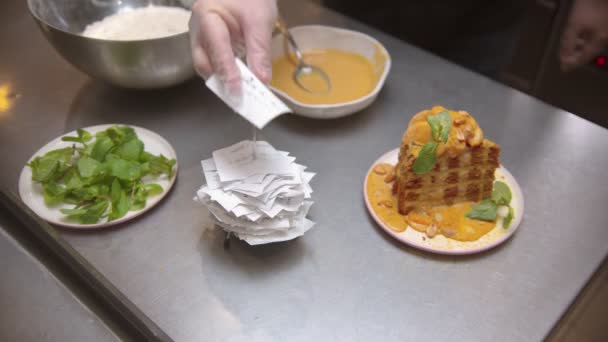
{"x":319,"y":37}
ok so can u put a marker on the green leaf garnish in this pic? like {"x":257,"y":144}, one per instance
{"x":87,"y":193}
{"x":94,"y":212}
{"x":501,"y":195}
{"x":83,"y":137}
{"x":124,"y":169}
{"x":88,"y":167}
{"x":72,"y":179}
{"x":441,"y":123}
{"x":103,"y":178}
{"x":485,"y":211}
{"x":139,"y":199}
{"x":130,"y":150}
{"x":101,"y":147}
{"x":120,"y":201}
{"x":74,"y":213}
{"x":153,"y":189}
{"x":426,"y":158}
{"x":506,"y":222}
{"x":44,"y":168}
{"x":88,"y":214}
{"x":53,"y":193}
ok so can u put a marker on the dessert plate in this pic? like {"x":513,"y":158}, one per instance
{"x":440,"y":244}
{"x":32,"y":193}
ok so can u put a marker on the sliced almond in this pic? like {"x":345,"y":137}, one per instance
{"x":460,"y":134}
{"x":386,"y":203}
{"x":476,"y":138}
{"x":448,"y":232}
{"x":460,"y":120}
{"x":431,"y":231}
{"x":390,"y":177}
{"x":380,"y":169}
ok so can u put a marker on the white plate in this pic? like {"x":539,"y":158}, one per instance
{"x":32,"y":193}
{"x":440,"y":244}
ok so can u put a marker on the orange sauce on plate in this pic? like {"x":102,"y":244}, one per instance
{"x":450,"y":221}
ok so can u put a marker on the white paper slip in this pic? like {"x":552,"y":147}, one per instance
{"x":208,"y":165}
{"x":212,"y":179}
{"x":257,"y":104}
{"x":252,"y":189}
{"x":237,"y":162}
{"x":278,"y":236}
{"x":255,"y":179}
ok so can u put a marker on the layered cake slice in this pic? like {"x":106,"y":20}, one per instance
{"x":444,"y":159}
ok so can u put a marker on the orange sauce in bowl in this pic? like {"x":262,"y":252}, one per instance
{"x":352,"y":76}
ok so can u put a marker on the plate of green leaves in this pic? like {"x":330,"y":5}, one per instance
{"x":98,"y":176}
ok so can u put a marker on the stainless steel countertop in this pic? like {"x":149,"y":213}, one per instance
{"x":345,"y":280}
{"x":38,"y":307}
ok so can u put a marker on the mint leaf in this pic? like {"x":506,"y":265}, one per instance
{"x":73,"y":213}
{"x":44,"y":168}
{"x":440,"y":125}
{"x":53,"y":193}
{"x":120,"y":207}
{"x":138,"y":201}
{"x":71,"y":139}
{"x":71,"y":199}
{"x":426,"y":158}
{"x":130,"y":150}
{"x":84,"y":135}
{"x":94,"y":212}
{"x":86,"y":193}
{"x":120,"y":134}
{"x":120,"y":201}
{"x":124,"y":169}
{"x":153,"y":189}
{"x":104,"y":190}
{"x":115,"y":191}
{"x":52,"y":164}
{"x":101,"y":147}
{"x":485,"y":211}
{"x":88,"y":167}
{"x":506,"y":222}
{"x":72,"y":179}
{"x":501,"y":195}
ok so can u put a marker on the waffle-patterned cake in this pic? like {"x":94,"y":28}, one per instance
{"x":464,"y":167}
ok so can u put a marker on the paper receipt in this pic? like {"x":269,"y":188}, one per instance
{"x":257,"y":104}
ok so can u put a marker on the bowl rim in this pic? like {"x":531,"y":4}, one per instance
{"x":117,"y":41}
{"x":372,"y":93}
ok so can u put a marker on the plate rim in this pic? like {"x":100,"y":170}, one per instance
{"x":428,"y":249}
{"x":24,"y":180}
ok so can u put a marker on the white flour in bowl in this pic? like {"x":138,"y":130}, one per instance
{"x":140,"y":23}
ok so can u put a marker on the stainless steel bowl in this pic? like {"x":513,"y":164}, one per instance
{"x":140,"y":64}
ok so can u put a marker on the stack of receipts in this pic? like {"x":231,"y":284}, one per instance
{"x":257,"y":193}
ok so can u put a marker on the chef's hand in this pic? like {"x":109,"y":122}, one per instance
{"x":217,"y":25}
{"x":586,"y":33}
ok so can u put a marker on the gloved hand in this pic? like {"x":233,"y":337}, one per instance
{"x":218,"y":25}
{"x":586,"y":33}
